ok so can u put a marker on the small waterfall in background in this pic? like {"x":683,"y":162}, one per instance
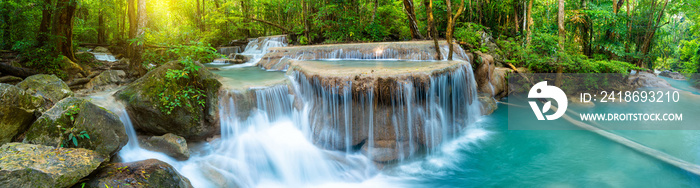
{"x":258,"y":47}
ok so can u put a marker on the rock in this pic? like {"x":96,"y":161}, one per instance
{"x":147,"y":173}
{"x":100,"y":49}
{"x":228,"y":61}
{"x":170,"y":144}
{"x":191,"y":121}
{"x":484,"y":73}
{"x":499,"y":81}
{"x":16,"y":111}
{"x":10,"y":80}
{"x":49,"y":87}
{"x":105,"y":79}
{"x":28,"y":165}
{"x":488,"y":104}
{"x":72,"y":69}
{"x":105,"y":131}
{"x":646,"y":79}
{"x":387,"y":150}
{"x":674,"y":75}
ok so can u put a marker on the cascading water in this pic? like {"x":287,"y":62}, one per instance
{"x":258,"y":47}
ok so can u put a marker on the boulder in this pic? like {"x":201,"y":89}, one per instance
{"x":674,"y":75}
{"x":72,"y":69}
{"x":105,"y":132}
{"x":106,"y":79}
{"x":170,"y":144}
{"x":488,"y":104}
{"x":499,"y":81}
{"x":646,"y":79}
{"x":100,"y":49}
{"x":385,"y":151}
{"x":28,"y":165}
{"x":147,"y":173}
{"x":49,"y":87}
{"x":484,"y":72}
{"x":191,"y":120}
{"x":10,"y":80}
{"x":17,"y":110}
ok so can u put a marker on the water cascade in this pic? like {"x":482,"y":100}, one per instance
{"x":278,"y":58}
{"x":391,"y":113}
{"x":257,"y":48}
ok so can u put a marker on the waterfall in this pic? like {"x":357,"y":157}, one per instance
{"x":420,"y":113}
{"x":258,"y":47}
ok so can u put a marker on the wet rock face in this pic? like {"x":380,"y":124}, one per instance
{"x":27,"y":165}
{"x":73,"y":115}
{"x":674,"y":75}
{"x":17,"y":109}
{"x":191,"y":121}
{"x":49,"y":87}
{"x":141,"y":174}
{"x":170,"y":144}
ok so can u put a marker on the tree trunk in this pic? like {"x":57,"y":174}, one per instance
{"x":629,"y":28}
{"x":451,"y":25}
{"x":100,"y":28}
{"x":562,"y":37}
{"x":140,"y":29}
{"x":198,"y":15}
{"x":528,"y":39}
{"x":45,"y":22}
{"x":374,"y":12}
{"x":410,"y":12}
{"x":6,"y":39}
{"x":651,"y":31}
{"x":433,"y":30}
{"x":132,"y":28}
{"x":63,"y":28}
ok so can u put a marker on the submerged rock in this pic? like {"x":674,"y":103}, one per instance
{"x":170,"y":144}
{"x":147,"y":173}
{"x":190,"y":119}
{"x":16,"y":111}
{"x":28,"y":165}
{"x":105,"y":132}
{"x":50,"y":87}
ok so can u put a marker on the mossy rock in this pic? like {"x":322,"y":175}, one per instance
{"x":106,"y":132}
{"x":147,"y":173}
{"x":16,"y":111}
{"x":193,"y":122}
{"x":28,"y":165}
{"x":49,"y":87}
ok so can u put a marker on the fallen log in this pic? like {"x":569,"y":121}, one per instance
{"x":7,"y":69}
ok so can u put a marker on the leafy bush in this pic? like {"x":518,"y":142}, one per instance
{"x":471,"y":34}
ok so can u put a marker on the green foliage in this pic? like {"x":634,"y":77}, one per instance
{"x":72,"y":133}
{"x":471,"y":34}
